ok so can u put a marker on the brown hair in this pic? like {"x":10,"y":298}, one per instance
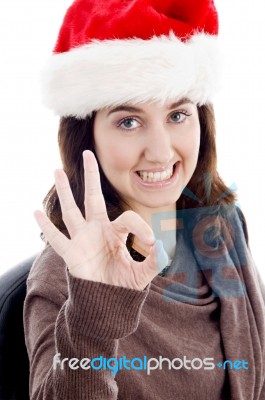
{"x":76,"y":135}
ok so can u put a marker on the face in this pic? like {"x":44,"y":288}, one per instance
{"x":148,"y":151}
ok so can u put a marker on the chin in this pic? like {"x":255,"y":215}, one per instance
{"x":156,"y":203}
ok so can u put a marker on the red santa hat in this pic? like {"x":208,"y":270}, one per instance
{"x":114,"y":52}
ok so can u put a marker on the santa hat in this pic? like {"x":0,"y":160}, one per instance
{"x":114,"y":52}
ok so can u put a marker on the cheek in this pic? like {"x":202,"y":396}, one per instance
{"x":189,"y":145}
{"x":193,"y":148}
{"x":114,"y":156}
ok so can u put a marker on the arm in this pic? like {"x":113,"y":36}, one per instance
{"x":259,"y":281}
{"x":104,"y":291}
{"x":87,"y":324}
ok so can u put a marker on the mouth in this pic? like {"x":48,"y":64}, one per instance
{"x":161,"y":176}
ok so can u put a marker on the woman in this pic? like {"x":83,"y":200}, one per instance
{"x":146,"y":288}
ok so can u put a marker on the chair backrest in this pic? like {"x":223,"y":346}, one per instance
{"x":14,"y":363}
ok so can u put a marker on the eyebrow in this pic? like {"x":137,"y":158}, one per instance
{"x":129,"y":108}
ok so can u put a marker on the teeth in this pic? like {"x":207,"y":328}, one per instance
{"x":164,"y":175}
{"x":156,"y":176}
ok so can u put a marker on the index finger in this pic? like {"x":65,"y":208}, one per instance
{"x":95,"y":207}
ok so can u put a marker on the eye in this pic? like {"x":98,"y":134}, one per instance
{"x":128,"y":124}
{"x":179,"y":116}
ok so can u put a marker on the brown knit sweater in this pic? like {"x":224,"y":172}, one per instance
{"x":85,"y":319}
{"x":207,"y":305}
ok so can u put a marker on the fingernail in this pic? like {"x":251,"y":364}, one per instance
{"x":161,"y":255}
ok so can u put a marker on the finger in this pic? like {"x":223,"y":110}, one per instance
{"x":131,"y":222}
{"x":57,"y":239}
{"x":157,"y":259}
{"x":72,"y":216}
{"x":95,"y":206}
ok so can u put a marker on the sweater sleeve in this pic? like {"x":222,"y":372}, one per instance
{"x":85,"y":321}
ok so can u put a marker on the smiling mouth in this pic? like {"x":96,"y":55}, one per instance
{"x":156,"y":176}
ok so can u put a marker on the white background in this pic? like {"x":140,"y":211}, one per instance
{"x":28,"y":146}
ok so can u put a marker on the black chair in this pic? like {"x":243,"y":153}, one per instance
{"x":14,"y":363}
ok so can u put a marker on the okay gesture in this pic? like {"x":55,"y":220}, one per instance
{"x":97,"y":249}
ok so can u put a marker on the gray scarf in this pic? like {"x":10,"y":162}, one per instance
{"x":219,"y":240}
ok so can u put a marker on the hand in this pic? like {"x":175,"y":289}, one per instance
{"x":97,"y":249}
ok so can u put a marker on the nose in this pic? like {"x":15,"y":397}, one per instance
{"x":159,"y":148}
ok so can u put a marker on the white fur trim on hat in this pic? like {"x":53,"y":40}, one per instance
{"x":114,"y":72}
